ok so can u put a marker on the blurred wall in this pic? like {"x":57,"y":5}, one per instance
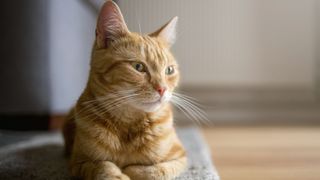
{"x":236,"y":43}
{"x":46,"y":46}
{"x":72,"y":26}
{"x":317,"y":68}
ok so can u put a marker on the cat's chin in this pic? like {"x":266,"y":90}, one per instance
{"x":149,"y":107}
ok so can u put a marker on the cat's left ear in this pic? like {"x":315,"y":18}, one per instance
{"x":110,"y":25}
{"x":167,"y":32}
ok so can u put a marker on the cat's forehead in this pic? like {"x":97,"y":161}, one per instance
{"x":151,"y":50}
{"x":154,"y":51}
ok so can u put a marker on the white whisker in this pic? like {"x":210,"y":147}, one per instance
{"x":196,"y":109}
{"x":191,"y":107}
{"x":113,"y":99}
{"x":184,"y":111}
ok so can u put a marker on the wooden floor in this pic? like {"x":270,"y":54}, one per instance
{"x":265,"y":153}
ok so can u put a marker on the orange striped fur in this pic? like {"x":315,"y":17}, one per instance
{"x":133,"y":137}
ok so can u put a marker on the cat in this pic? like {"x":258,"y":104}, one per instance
{"x":122,"y":124}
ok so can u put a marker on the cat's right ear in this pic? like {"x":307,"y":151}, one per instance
{"x":110,"y":25}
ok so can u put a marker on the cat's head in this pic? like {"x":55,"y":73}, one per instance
{"x":129,"y":68}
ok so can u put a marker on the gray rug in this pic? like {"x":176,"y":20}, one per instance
{"x":40,"y":156}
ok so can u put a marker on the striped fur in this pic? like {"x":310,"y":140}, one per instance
{"x":112,"y":138}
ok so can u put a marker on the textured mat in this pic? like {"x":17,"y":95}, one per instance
{"x":40,"y":156}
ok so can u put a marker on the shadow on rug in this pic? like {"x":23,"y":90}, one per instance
{"x":35,"y":163}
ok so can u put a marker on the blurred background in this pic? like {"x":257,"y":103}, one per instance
{"x":254,"y":64}
{"x":248,"y":61}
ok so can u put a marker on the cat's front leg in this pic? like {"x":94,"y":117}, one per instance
{"x":162,"y":171}
{"x":102,"y":170}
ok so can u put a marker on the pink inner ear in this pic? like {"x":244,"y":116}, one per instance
{"x":110,"y":25}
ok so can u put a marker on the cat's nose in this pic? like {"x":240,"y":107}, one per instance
{"x":160,"y":90}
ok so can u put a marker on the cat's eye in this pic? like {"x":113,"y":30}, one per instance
{"x":139,"y":67}
{"x":169,"y":70}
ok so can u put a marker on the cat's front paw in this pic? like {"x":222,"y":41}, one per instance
{"x":124,"y":177}
{"x":108,"y":177}
{"x":144,"y":173}
{"x":135,"y":173}
{"x":109,"y":171}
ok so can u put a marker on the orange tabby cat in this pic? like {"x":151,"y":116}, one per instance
{"x":122,"y":124}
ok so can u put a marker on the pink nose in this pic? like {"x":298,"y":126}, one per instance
{"x":160,"y":90}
